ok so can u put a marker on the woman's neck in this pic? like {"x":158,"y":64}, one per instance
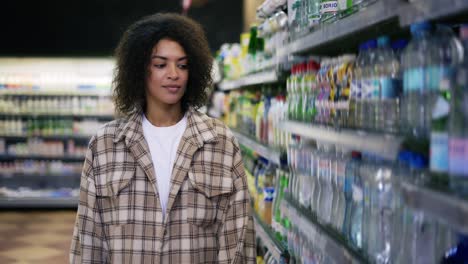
{"x":164,"y":116}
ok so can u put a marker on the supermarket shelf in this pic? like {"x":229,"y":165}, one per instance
{"x":265,"y":234}
{"x":19,"y":92}
{"x":270,"y":154}
{"x":377,"y":13}
{"x":443,"y":206}
{"x":420,"y":10}
{"x":38,"y":202}
{"x":29,"y":115}
{"x":257,"y":78}
{"x":387,"y":146}
{"x":331,"y":245}
{"x":6,"y":157}
{"x":54,"y":137}
{"x":40,"y":181}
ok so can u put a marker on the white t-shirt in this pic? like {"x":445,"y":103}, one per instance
{"x":163,"y":143}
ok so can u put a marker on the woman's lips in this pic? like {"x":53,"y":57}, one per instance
{"x":172,"y":88}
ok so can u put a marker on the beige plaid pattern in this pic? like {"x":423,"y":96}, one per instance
{"x":119,"y":217}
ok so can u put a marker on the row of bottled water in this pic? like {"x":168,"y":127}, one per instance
{"x":417,"y":89}
{"x":359,"y":196}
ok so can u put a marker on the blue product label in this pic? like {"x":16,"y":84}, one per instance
{"x":414,"y":79}
{"x":439,"y":77}
{"x":389,"y":87}
{"x":439,"y":152}
{"x":356,"y":89}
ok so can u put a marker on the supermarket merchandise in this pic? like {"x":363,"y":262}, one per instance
{"x":458,"y":124}
{"x":49,"y":108}
{"x":365,"y":183}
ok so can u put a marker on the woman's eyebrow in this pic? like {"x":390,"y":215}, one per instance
{"x":164,"y":58}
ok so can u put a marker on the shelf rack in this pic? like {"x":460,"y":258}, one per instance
{"x":38,"y":202}
{"x":387,"y":146}
{"x":443,"y":206}
{"x":265,"y":233}
{"x":252,"y":79}
{"x":263,"y":150}
{"x":329,"y":243}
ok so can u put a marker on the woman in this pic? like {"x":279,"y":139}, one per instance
{"x":164,"y":184}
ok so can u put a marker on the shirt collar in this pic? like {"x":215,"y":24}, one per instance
{"x":200,"y":129}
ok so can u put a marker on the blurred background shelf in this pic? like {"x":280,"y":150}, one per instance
{"x":443,"y":206}
{"x":420,"y":10}
{"x":7,"y":157}
{"x":266,"y":235}
{"x":322,"y":236}
{"x":50,"y":115}
{"x":253,"y":79}
{"x":42,"y":93}
{"x":378,"y":13}
{"x":387,"y":146}
{"x":38,"y":202}
{"x":263,"y":150}
{"x":51,"y":137}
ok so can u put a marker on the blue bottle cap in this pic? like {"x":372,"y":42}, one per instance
{"x":372,"y":44}
{"x":399,"y":44}
{"x":383,"y":41}
{"x":421,"y":26}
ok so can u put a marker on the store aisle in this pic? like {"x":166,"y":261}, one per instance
{"x":36,"y":236}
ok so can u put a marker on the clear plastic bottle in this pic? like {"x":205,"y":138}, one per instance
{"x":441,"y":76}
{"x":382,"y":212}
{"x":370,"y":87}
{"x":388,"y":71}
{"x":458,"y":124}
{"x":355,"y":224}
{"x":355,"y":103}
{"x":418,"y":55}
{"x":326,"y":192}
{"x":342,"y":159}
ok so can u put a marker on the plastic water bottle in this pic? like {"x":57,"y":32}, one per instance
{"x":387,"y":70}
{"x":370,"y":87}
{"x":441,"y":77}
{"x":382,"y":212}
{"x":355,"y":221}
{"x":458,"y":124}
{"x":355,"y":99}
{"x":324,"y":175}
{"x":418,"y":55}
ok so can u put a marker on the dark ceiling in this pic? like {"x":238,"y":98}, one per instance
{"x":93,"y":27}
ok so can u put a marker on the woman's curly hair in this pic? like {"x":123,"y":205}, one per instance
{"x":133,"y":55}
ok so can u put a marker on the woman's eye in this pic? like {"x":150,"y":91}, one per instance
{"x":183,"y":66}
{"x":159,"y":66}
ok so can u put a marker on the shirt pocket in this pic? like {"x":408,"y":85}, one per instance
{"x":208,"y":197}
{"x":115,"y":196}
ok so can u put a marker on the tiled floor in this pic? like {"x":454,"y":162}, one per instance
{"x":35,"y":237}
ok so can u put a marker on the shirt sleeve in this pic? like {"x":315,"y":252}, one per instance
{"x":88,"y":243}
{"x":236,"y":234}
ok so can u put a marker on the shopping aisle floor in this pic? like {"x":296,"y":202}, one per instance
{"x":36,"y":236}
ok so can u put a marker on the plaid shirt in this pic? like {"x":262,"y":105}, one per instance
{"x":120,"y":219}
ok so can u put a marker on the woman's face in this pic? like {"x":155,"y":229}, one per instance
{"x":168,"y":74}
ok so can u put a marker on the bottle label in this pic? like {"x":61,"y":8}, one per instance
{"x":314,"y":20}
{"x":357,"y":193}
{"x":389,"y":88}
{"x":356,"y":89}
{"x":370,"y":88}
{"x":439,"y":152}
{"x":328,"y":7}
{"x":413,"y":79}
{"x":439,"y":77}
{"x":458,"y":153}
{"x":345,"y":4}
{"x":441,"y":108}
